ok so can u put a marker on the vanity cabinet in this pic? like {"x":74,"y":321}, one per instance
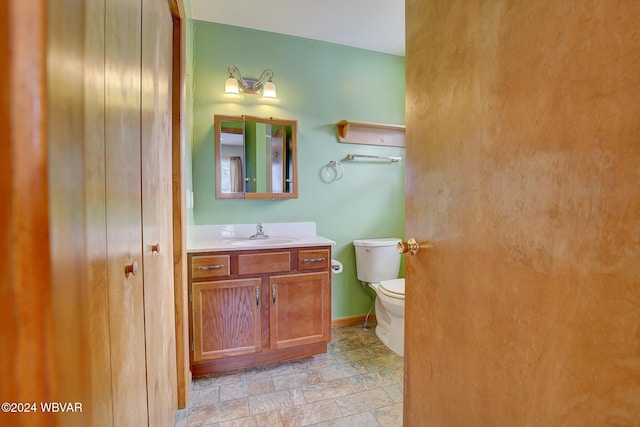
{"x":252,"y":307}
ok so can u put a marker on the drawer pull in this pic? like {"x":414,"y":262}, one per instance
{"x":314,"y":259}
{"x":210,"y":267}
{"x":273,"y":294}
{"x":257,"y":296}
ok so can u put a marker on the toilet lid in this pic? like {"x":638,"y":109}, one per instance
{"x":385,"y":241}
{"x":393,"y":288}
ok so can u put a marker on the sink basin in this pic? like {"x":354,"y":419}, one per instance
{"x":261,"y":242}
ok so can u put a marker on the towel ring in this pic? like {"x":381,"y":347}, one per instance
{"x":338,"y":171}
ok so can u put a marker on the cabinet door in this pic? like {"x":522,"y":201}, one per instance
{"x":124,"y":222}
{"x":300,"y":309}
{"x":157,"y":237}
{"x":226,"y":318}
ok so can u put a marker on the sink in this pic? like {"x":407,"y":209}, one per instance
{"x":260,"y":242}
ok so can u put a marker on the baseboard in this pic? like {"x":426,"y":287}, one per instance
{"x":342,"y":322}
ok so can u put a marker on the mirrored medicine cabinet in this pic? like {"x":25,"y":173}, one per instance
{"x":255,"y":157}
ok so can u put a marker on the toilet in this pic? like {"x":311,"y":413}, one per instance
{"x":378,"y":264}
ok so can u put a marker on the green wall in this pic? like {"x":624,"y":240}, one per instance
{"x":188,"y":111}
{"x":319,"y":84}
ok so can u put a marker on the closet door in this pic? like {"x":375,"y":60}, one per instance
{"x":157,"y":232}
{"x":123,"y":213}
{"x":95,"y":233}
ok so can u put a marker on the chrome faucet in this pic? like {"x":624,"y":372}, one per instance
{"x":259,"y":233}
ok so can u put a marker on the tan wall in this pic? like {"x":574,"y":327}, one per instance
{"x":523,"y":123}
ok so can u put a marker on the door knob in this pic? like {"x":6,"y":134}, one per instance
{"x":411,"y":246}
{"x":131,"y":269}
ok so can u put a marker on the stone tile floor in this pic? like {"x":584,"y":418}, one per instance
{"x":358,"y":382}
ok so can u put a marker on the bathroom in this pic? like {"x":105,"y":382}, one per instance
{"x":520,"y":167}
{"x":319,"y":84}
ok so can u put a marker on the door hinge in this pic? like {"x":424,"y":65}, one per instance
{"x":193,"y":346}
{"x":191,"y":296}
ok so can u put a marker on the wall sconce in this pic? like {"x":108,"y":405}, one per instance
{"x":235,"y":85}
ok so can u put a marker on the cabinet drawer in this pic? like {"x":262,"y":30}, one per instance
{"x":208,"y":266}
{"x":313,"y":259}
{"x":271,"y":262}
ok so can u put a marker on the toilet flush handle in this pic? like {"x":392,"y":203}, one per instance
{"x":411,"y":246}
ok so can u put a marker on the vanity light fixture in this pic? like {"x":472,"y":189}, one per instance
{"x":235,"y":85}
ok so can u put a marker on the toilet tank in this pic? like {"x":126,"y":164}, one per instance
{"x":377,"y":259}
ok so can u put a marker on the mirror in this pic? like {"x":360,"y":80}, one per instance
{"x":255,"y":157}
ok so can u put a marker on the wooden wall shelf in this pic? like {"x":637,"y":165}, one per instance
{"x":354,"y":132}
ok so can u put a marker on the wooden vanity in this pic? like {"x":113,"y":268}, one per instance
{"x":256,"y":306}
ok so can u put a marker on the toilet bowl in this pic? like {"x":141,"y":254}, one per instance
{"x":378,"y":264}
{"x":390,"y":313}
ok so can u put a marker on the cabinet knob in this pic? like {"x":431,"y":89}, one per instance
{"x":411,"y":246}
{"x":130,"y":269}
{"x":155,"y":248}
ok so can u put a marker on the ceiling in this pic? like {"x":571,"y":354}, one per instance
{"x":376,"y":25}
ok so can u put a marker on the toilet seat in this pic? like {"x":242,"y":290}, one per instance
{"x":392,"y":288}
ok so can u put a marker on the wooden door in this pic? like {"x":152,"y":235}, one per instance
{"x":123,"y":214}
{"x":226,"y":318}
{"x":522,"y":169}
{"x":94,"y":231}
{"x":27,"y":315}
{"x":157,"y":233}
{"x":300,"y":311}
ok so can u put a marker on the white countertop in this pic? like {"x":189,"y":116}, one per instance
{"x":234,"y":237}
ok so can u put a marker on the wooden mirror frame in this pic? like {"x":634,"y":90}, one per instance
{"x":217,"y":129}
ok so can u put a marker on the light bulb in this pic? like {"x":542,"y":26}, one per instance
{"x":231,"y":86}
{"x":269,"y":93}
{"x":269,"y":90}
{"x":231,"y":90}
